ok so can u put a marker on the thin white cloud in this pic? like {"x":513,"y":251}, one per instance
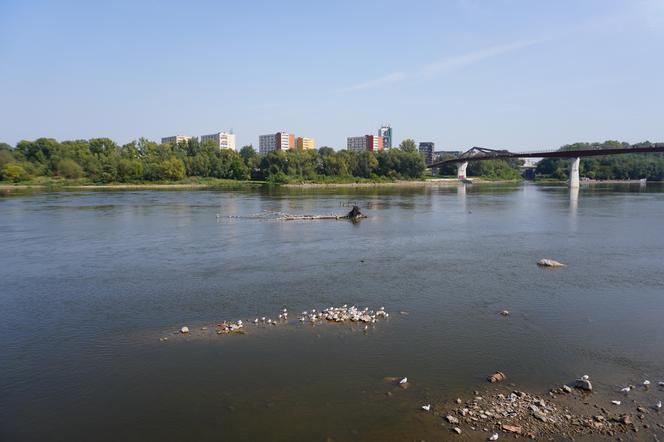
{"x":381,"y":81}
{"x":460,"y":61}
{"x":443,"y":66}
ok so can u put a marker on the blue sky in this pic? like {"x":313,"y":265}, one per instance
{"x":503,"y":73}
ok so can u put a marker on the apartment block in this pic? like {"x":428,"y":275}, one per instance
{"x":305,"y":143}
{"x":372,"y":143}
{"x":278,"y":141}
{"x":223,"y":140}
{"x":175,"y":139}
{"x":426,"y":149}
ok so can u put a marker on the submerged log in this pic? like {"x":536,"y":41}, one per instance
{"x":354,"y":215}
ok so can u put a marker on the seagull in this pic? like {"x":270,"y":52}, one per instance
{"x":403,"y":381}
{"x":661,"y":384}
{"x":256,"y":321}
{"x":626,"y":389}
{"x":585,"y":377}
{"x":494,"y":436}
{"x":658,"y":405}
{"x":426,"y":407}
{"x":646,"y":383}
{"x":615,"y":402}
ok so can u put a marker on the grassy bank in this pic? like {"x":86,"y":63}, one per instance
{"x":57,"y":183}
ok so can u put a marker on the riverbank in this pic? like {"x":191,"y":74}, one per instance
{"x":55,"y":184}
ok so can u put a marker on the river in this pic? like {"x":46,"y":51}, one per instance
{"x":91,"y":280}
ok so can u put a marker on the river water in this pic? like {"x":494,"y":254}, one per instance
{"x":90,"y":282}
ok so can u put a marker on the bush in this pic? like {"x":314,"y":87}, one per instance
{"x":13,"y":172}
{"x":172,"y":169}
{"x":69,"y":169}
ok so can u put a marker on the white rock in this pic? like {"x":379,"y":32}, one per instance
{"x":494,"y":436}
{"x":549,"y":263}
{"x":184,"y":329}
{"x":615,"y":402}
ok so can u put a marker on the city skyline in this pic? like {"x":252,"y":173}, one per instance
{"x":501,"y":75}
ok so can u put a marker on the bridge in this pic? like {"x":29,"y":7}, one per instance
{"x":481,"y":154}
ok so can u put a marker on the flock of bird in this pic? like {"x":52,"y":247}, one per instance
{"x":645,"y":384}
{"x":330,"y":314}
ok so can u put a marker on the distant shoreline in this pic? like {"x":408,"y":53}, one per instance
{"x":434,"y":182}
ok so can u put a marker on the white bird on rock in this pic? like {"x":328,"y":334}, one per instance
{"x":646,"y":383}
{"x":625,"y":389}
{"x":661,"y":383}
{"x":615,"y":402}
{"x":403,"y":381}
{"x":585,"y":377}
{"x":658,"y":405}
{"x":426,"y":407}
{"x":494,"y":436}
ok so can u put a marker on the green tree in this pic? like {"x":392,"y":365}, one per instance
{"x":172,"y":169}
{"x":249,"y":156}
{"x":129,"y":170}
{"x":6,"y":157}
{"x":408,"y":145}
{"x":69,"y":169}
{"x":13,"y":172}
{"x":325,"y":151}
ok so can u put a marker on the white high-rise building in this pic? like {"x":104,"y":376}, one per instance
{"x":175,"y":139}
{"x":278,"y":141}
{"x":222,"y":139}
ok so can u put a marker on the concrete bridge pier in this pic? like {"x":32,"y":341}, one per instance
{"x":461,"y":170}
{"x":574,"y":173}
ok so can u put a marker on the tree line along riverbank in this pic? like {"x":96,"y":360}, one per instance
{"x":46,"y":162}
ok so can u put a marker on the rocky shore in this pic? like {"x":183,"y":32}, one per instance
{"x":564,"y":413}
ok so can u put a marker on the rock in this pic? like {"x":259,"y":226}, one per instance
{"x":457,"y":430}
{"x":625,"y":419}
{"x":567,"y":389}
{"x":451,"y":419}
{"x":583,"y":384}
{"x":497,"y":377}
{"x":511,"y":429}
{"x":184,"y":330}
{"x":458,"y":400}
{"x":549,"y":263}
{"x":641,"y":409}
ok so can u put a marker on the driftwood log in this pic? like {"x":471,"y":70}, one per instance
{"x":354,"y":215}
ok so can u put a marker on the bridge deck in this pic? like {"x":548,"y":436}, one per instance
{"x":502,"y":155}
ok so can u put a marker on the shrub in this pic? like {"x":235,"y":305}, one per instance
{"x":69,"y":169}
{"x":13,"y":172}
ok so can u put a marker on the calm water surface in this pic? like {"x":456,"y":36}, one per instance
{"x":89,"y":282}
